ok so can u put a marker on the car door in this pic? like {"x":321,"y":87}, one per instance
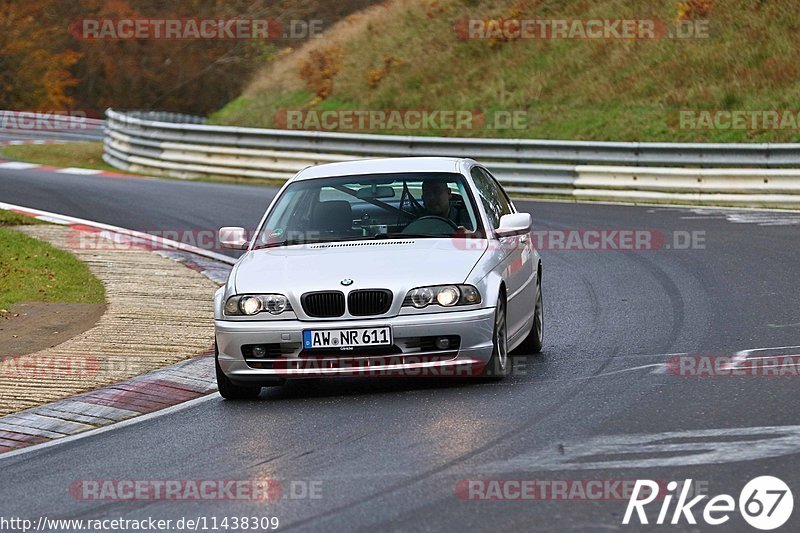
{"x":516,"y":265}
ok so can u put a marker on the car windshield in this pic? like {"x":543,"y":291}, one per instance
{"x":374,"y":206}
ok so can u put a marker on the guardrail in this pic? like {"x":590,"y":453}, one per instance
{"x":50,"y":126}
{"x":182,"y":146}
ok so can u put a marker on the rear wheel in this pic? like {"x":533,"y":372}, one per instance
{"x":497,"y":368}
{"x":229,"y":390}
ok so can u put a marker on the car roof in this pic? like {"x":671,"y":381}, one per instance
{"x":382,"y":166}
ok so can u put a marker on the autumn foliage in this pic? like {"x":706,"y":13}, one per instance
{"x":33,"y":75}
{"x":319,"y":69}
{"x":694,"y":9}
{"x":45,"y":66}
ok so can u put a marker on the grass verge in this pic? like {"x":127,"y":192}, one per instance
{"x":34,"y":271}
{"x":81,"y":155}
{"x":10,"y":218}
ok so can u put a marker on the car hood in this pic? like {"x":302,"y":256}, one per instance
{"x":392,"y":264}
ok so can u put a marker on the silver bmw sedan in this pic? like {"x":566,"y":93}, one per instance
{"x":383,"y":267}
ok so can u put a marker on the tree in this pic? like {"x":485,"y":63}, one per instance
{"x":33,"y":76}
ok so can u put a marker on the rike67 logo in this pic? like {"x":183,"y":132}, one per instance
{"x":765,"y":503}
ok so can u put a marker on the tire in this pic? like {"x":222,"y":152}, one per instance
{"x":498,"y":365}
{"x":229,"y":390}
{"x":533,"y":342}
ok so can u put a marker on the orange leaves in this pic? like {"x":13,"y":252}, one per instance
{"x":34,"y":74}
{"x":375,"y":75}
{"x":694,"y":9}
{"x":319,"y":70}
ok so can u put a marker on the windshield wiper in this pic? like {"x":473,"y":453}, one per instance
{"x":293,"y":242}
{"x":288,"y":242}
{"x":399,"y":235}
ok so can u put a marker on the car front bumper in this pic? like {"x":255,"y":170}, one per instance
{"x":474,"y":327}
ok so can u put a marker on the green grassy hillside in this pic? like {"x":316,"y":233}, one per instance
{"x":407,"y":55}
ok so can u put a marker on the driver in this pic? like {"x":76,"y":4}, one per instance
{"x":436,"y":199}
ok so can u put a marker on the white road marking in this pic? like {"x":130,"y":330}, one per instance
{"x":652,"y":355}
{"x":657,"y":368}
{"x":752,"y":350}
{"x":767,"y":357}
{"x":81,"y":171}
{"x":668,"y":449}
{"x":743,"y":355}
{"x":52,"y":220}
{"x":18,"y":165}
{"x":739,"y":216}
{"x":736,"y":360}
{"x":613,"y":372}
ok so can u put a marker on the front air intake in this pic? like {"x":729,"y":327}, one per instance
{"x":369,"y":302}
{"x":323,"y":304}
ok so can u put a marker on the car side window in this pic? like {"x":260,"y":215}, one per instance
{"x":492,"y":197}
{"x":505,"y":203}
{"x":486,"y":196}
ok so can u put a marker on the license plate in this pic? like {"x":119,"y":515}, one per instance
{"x":347,"y":338}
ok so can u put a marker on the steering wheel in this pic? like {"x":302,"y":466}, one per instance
{"x":431,"y":224}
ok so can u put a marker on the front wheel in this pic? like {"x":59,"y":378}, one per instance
{"x":497,"y":368}
{"x":229,"y":390}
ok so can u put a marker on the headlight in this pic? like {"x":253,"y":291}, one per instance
{"x":448,"y":296}
{"x":470,"y":295}
{"x":253,"y":304}
{"x":421,"y":297}
{"x":276,"y":303}
{"x":444,"y":295}
{"x":250,"y":305}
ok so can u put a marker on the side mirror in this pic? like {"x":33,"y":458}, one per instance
{"x":514,"y":224}
{"x":233,"y":237}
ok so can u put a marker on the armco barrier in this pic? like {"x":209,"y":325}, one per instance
{"x":30,"y":125}
{"x":182,"y":146}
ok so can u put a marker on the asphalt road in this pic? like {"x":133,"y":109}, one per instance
{"x":597,"y":404}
